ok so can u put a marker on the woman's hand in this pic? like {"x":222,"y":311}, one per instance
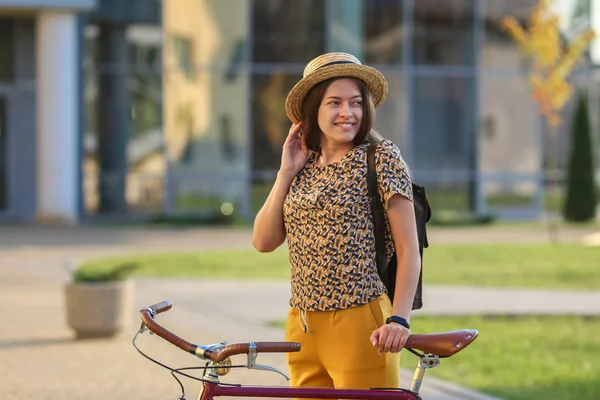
{"x":295,"y":153}
{"x":390,"y":337}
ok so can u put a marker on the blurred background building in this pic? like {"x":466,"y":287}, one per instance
{"x":135,"y":108}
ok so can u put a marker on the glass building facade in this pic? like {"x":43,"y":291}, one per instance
{"x":183,"y":100}
{"x":207,"y":100}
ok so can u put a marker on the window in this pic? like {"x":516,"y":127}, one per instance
{"x":271,"y":124}
{"x":2,"y":154}
{"x":443,"y":32}
{"x":444,"y":123}
{"x":7,"y":56}
{"x":184,"y":52}
{"x":384,"y":32}
{"x":371,"y":30}
{"x":287,"y":31}
{"x":583,"y":9}
{"x":499,"y":51}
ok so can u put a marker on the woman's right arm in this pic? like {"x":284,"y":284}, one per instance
{"x":269,"y":231}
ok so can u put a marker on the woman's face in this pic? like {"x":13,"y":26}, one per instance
{"x":340,"y":112}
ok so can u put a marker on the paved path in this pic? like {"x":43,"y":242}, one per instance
{"x":39,"y":358}
{"x":144,"y":236}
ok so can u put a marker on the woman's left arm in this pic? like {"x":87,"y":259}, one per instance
{"x":401,"y":216}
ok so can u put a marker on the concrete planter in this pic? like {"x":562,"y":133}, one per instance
{"x":96,"y":310}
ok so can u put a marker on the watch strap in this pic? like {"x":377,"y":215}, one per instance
{"x":398,"y":320}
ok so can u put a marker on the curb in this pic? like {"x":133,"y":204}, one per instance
{"x":593,"y":239}
{"x":452,"y":388}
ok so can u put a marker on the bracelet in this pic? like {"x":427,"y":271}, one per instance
{"x":398,"y":320}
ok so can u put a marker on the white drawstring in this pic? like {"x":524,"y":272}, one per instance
{"x":303,"y":321}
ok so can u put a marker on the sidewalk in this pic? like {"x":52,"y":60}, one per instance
{"x":39,"y":358}
{"x":90,"y":236}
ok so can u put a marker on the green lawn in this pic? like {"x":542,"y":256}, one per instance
{"x":246,"y":264}
{"x":519,"y":358}
{"x":522,"y":358}
{"x":538,"y":266}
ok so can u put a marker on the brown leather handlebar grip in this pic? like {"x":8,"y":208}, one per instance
{"x":170,"y":337}
{"x":161,"y":307}
{"x":261,"y":347}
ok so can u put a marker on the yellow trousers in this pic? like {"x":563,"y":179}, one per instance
{"x":336,"y":348}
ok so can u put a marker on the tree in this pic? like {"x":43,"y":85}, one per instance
{"x":552,"y":63}
{"x":580,"y":204}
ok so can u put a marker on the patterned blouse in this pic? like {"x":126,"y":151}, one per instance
{"x":329,"y":228}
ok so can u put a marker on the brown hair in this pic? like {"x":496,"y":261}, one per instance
{"x":310,"y":112}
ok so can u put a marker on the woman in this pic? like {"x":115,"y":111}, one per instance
{"x":339,"y":310}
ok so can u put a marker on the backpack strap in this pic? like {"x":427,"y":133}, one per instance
{"x":376,"y":210}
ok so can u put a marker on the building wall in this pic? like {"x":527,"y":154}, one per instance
{"x":215,"y":97}
{"x":509,"y":139}
{"x":206,"y":94}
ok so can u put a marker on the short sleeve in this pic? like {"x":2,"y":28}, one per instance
{"x":393,"y":175}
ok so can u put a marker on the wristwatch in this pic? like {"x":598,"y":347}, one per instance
{"x":398,"y":320}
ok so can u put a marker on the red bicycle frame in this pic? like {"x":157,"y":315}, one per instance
{"x":212,"y":390}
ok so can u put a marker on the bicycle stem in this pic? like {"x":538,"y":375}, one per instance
{"x":216,"y":369}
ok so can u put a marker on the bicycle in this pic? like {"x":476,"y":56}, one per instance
{"x":433,"y":346}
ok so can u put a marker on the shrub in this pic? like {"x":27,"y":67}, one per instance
{"x":580,"y":204}
{"x":117,"y":272}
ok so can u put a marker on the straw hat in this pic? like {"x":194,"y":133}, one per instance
{"x":334,"y":65}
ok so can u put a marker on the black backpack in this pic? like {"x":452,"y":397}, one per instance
{"x":387,"y":273}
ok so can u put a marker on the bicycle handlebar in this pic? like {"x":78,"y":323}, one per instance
{"x":443,"y":344}
{"x":148,"y":314}
{"x":261,"y":347}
